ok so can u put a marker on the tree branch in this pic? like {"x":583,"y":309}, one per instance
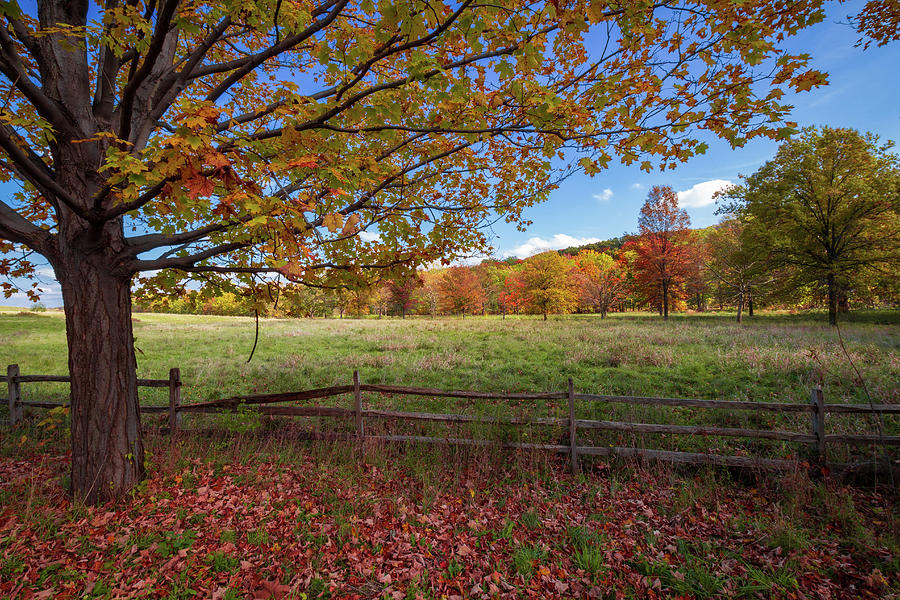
{"x":36,"y":170}
{"x":184,"y":262}
{"x":16,"y":228}
{"x":129,"y":93}
{"x":11,"y":66}
{"x":147,"y":196}
{"x":251,"y":62}
{"x":144,"y":243}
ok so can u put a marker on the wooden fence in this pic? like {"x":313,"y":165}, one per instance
{"x":270,"y":404}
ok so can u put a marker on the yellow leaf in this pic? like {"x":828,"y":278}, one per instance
{"x":333,"y":221}
{"x":350,"y":225}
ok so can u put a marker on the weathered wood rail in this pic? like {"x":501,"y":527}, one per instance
{"x":272,"y":404}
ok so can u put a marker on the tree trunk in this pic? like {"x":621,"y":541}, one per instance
{"x":699,"y":302}
{"x":832,"y":299}
{"x":843,"y":300}
{"x":545,"y":315}
{"x":749,"y":304}
{"x":740,"y":306}
{"x":665,"y":302}
{"x":107,"y":450}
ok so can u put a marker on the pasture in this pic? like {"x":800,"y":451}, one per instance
{"x":240,"y":515}
{"x":771,"y":356}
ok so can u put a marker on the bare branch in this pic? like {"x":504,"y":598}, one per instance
{"x":36,"y":170}
{"x":157,"y":240}
{"x":11,"y":66}
{"x":160,"y":33}
{"x":16,"y":228}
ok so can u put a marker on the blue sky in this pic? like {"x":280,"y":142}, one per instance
{"x":863,"y":93}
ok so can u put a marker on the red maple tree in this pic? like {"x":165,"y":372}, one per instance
{"x":513,"y":298}
{"x":461,"y":291}
{"x":663,"y":253}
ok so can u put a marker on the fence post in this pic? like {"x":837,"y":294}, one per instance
{"x":174,"y":401}
{"x":818,"y":421}
{"x":573,"y":444}
{"x":15,"y":394}
{"x":357,"y":405}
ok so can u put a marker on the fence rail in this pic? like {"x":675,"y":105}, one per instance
{"x":270,"y":404}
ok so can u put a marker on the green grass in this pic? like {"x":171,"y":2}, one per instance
{"x":222,"y":562}
{"x":589,"y":559}
{"x":526,"y":559}
{"x":771,"y":357}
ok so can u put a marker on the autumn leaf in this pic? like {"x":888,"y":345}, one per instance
{"x":198,"y":186}
{"x":303,"y":162}
{"x":333,"y":221}
{"x":271,"y":590}
{"x":350,"y":225}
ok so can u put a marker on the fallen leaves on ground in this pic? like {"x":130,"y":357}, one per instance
{"x":270,"y":528}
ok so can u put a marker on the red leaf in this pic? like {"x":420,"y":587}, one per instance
{"x":271,"y":589}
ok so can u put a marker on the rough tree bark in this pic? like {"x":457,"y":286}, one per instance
{"x":107,"y":451}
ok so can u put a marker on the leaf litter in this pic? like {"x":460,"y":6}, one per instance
{"x":261,"y":530}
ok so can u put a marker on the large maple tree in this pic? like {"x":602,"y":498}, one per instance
{"x":310,"y":138}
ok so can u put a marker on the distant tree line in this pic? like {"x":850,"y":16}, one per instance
{"x":816,"y":226}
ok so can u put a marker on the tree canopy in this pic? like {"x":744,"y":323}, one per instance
{"x":547,"y":283}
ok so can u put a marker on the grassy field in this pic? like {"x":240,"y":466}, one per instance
{"x":769,"y":357}
{"x":242,"y":516}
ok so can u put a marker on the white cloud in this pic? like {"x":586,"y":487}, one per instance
{"x":701,"y":194}
{"x":536,"y":245}
{"x":51,"y":297}
{"x":637,"y":186}
{"x":604,"y":196}
{"x":368,"y":236}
